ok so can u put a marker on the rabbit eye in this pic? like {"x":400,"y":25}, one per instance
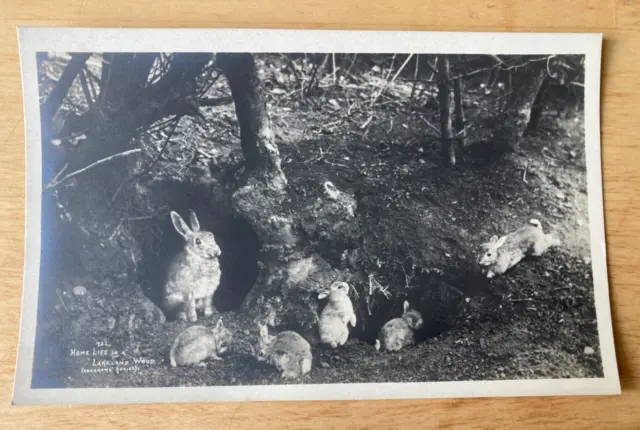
{"x":198,"y":242}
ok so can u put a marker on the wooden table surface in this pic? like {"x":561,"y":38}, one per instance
{"x":619,"y":20}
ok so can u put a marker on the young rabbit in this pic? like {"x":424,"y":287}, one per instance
{"x":194,"y":274}
{"x":197,"y":343}
{"x":336,"y":316}
{"x":502,"y":254}
{"x":398,"y":332}
{"x":288,"y":351}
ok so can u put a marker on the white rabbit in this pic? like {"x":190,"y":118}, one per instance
{"x":502,"y":254}
{"x":288,"y":351}
{"x":398,"y":332}
{"x":197,"y":343}
{"x":194,"y":274}
{"x":335,"y":317}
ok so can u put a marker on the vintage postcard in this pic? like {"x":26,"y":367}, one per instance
{"x":236,"y":215}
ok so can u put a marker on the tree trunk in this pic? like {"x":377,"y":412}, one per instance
{"x":256,"y":137}
{"x":461,"y":134}
{"x":291,"y":271}
{"x":524,"y":86}
{"x":444,"y":101}
{"x":538,"y":104}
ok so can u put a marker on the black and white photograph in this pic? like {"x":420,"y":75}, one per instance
{"x":263,"y":215}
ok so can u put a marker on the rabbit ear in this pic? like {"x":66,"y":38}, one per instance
{"x":323,"y":294}
{"x":493,"y":239}
{"x":179,"y":224}
{"x":195,"y":224}
{"x":405,"y":306}
{"x":501,"y":241}
{"x":219,"y":324}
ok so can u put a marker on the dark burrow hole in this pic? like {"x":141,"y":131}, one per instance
{"x":238,"y":243}
{"x":440,"y":298}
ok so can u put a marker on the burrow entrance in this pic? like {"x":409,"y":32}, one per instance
{"x":441,"y":298}
{"x":239,"y":245}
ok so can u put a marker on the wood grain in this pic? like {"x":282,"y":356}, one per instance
{"x":619,"y":20}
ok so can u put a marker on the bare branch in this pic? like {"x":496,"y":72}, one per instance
{"x":211,"y":102}
{"x":432,"y":67}
{"x":85,"y":89}
{"x":431,"y":126}
{"x":415,"y":80}
{"x":92,"y":165}
{"x":384,"y":87}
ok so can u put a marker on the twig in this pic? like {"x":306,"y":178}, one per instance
{"x":454,"y":289}
{"x":62,"y":301}
{"x":333,"y":61}
{"x":551,"y":75}
{"x":387,"y":83}
{"x":319,"y":157}
{"x":520,"y":300}
{"x":517,"y":66}
{"x":407,"y":277}
{"x":524,"y":174}
{"x":116,"y":230}
{"x":140,"y":218}
{"x":415,"y":80}
{"x":85,"y":89}
{"x":366,"y":123}
{"x":335,"y":164}
{"x":366,"y":126}
{"x":92,"y":165}
{"x":152,"y":164}
{"x":353,"y":61}
{"x":205,"y":89}
{"x":431,"y":126}
{"x":60,"y":173}
{"x":390,"y":126}
{"x":433,"y":67}
{"x":211,"y":102}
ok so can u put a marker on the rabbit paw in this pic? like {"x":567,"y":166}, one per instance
{"x":208,"y":311}
{"x":182,"y":316}
{"x":215,"y":357}
{"x":202,"y":364}
{"x":193,"y":317}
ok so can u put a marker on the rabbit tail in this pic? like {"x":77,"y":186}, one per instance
{"x":305,"y":366}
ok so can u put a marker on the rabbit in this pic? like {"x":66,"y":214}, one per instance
{"x":288,"y":351}
{"x":197,"y":343}
{"x":503,"y":253}
{"x":194,"y":274}
{"x":335,"y":317}
{"x":399,"y":332}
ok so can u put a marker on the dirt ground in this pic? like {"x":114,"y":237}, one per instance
{"x":536,"y":321}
